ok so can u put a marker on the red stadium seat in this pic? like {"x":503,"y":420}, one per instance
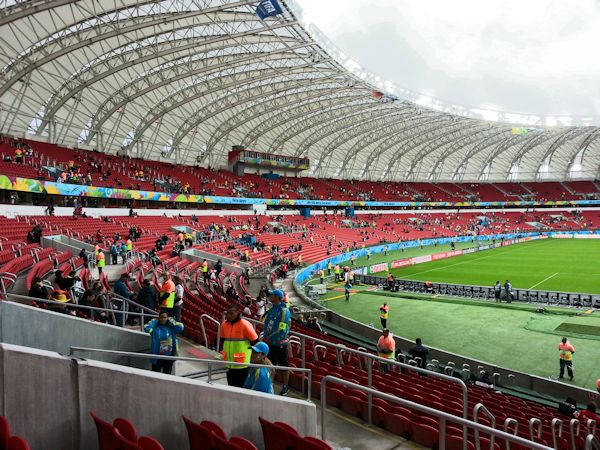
{"x":425,"y":435}
{"x":4,"y":432}
{"x":309,"y":443}
{"x":201,"y":438}
{"x":242,"y":443}
{"x":274,"y":436}
{"x":149,"y":443}
{"x":126,"y":429}
{"x":17,"y":443}
{"x":107,"y":438}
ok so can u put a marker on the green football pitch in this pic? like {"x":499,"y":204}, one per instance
{"x":571,"y":265}
{"x":512,"y":336}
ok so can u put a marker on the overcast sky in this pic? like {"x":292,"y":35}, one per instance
{"x":524,"y":56}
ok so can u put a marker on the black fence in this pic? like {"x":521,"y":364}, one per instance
{"x":550,"y":298}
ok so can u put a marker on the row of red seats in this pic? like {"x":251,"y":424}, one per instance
{"x":204,"y":435}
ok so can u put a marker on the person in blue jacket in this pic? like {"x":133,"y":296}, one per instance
{"x":164,"y":331}
{"x":259,"y":378}
{"x":277,"y":334}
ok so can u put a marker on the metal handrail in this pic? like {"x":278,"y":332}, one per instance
{"x":206,"y":316}
{"x":574,"y":424}
{"x":476,"y":409}
{"x":443,"y":417}
{"x":90,"y":308}
{"x":535,"y":428}
{"x":557,"y":431}
{"x":449,"y":378}
{"x":591,"y":443}
{"x":507,"y":422}
{"x":210,"y":362}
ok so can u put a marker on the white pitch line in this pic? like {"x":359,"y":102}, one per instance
{"x":545,"y":279}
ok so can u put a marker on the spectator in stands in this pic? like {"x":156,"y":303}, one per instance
{"x":565,"y":353}
{"x":386,"y":348}
{"x":219,"y":267}
{"x":120,"y":288}
{"x":276,"y":334}
{"x":260,"y":303}
{"x":100,"y":298}
{"x":60,"y":281}
{"x":62,"y":297}
{"x":178,"y":302}
{"x":123,"y":251}
{"x":568,"y":407}
{"x":259,"y":378}
{"x":419,"y":351}
{"x":237,"y":336}
{"x":164,"y":331}
{"x":38,"y":290}
{"x":313,"y":324}
{"x":114,"y":252}
{"x":147,"y":296}
{"x":166,"y":297}
{"x":35,"y":235}
{"x":84,"y":255}
{"x":589,"y":413}
{"x":384,"y":312}
{"x":19,"y":156}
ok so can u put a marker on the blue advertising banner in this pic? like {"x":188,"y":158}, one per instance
{"x":268,"y":8}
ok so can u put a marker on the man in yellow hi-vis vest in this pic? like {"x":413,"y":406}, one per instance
{"x":565,"y":353}
{"x":166,"y":297}
{"x":386,"y":348}
{"x":205,"y":271}
{"x":384,"y":312}
{"x":237,"y":336}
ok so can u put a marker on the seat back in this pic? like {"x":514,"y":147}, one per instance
{"x":224,"y":444}
{"x":200,"y":437}
{"x":126,"y":428}
{"x":275,"y":437}
{"x":149,"y":443}
{"x":107,"y":438}
{"x":126,"y":444}
{"x":17,"y":443}
{"x":215,"y":428}
{"x":309,"y":443}
{"x":4,"y":432}
{"x":243,"y":443}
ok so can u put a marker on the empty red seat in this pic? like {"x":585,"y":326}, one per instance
{"x":425,"y":435}
{"x":107,"y":439}
{"x":17,"y":443}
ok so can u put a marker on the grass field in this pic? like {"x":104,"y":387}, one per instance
{"x":549,"y":264}
{"x":512,"y":336}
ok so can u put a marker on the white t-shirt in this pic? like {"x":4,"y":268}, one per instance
{"x":178,"y":294}
{"x":261,"y":307}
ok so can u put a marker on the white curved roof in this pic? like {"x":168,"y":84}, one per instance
{"x":191,"y":78}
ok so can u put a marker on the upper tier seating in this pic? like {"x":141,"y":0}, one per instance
{"x":131,"y":173}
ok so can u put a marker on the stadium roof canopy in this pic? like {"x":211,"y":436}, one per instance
{"x":184,"y":80}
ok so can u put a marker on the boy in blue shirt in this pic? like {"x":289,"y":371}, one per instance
{"x":259,"y":378}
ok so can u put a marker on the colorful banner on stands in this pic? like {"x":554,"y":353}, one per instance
{"x":52,"y":188}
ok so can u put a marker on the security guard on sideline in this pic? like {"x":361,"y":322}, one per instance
{"x":565,"y":353}
{"x":384,"y":311}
